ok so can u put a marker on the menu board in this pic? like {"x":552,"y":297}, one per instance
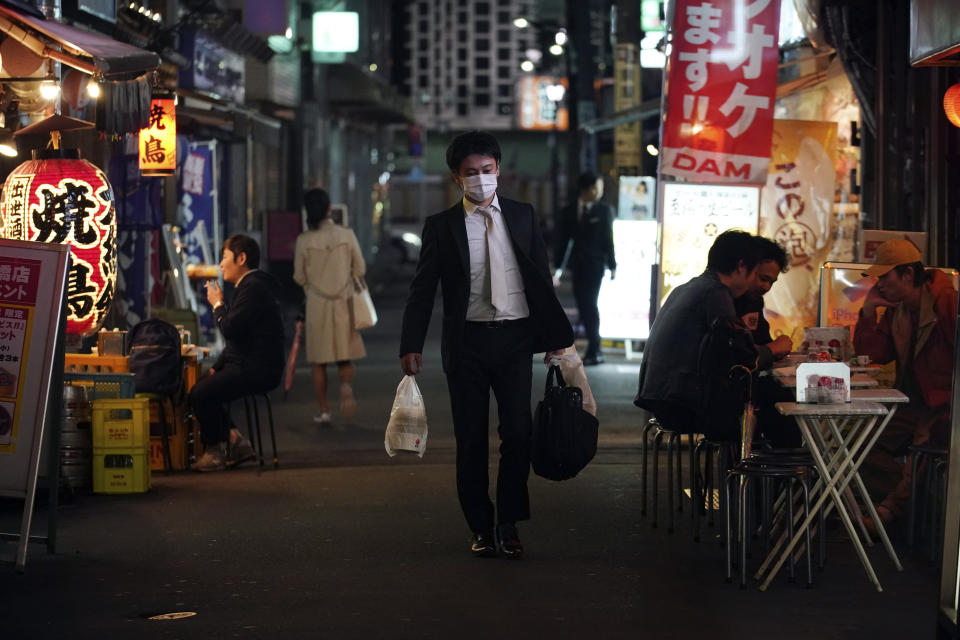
{"x":32,"y":281}
{"x":693,"y":216}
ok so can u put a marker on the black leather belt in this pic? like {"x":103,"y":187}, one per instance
{"x":495,"y":324}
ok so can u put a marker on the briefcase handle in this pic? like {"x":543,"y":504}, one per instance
{"x":554,"y":370}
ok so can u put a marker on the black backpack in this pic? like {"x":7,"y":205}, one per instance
{"x":154,"y":349}
{"x":726,"y":346}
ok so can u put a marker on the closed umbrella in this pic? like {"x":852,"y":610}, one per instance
{"x":292,"y":358}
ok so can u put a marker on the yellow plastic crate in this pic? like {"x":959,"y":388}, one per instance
{"x":121,"y":422}
{"x":121,"y":470}
{"x":89,"y":363}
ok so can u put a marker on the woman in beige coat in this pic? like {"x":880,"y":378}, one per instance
{"x":327,"y":260}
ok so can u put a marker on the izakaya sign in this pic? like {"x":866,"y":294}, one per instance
{"x":158,"y":142}
{"x":720,"y":90}
{"x":57,"y":197}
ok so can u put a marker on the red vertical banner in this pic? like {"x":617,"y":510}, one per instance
{"x":721,"y":87}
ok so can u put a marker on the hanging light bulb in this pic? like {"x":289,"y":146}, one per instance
{"x":49,"y":90}
{"x":93,"y":89}
{"x":7,"y":146}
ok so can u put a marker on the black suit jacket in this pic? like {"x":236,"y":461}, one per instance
{"x":445,"y":259}
{"x":252,"y":327}
{"x":592,"y":235}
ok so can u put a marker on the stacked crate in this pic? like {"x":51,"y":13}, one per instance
{"x":121,"y":445}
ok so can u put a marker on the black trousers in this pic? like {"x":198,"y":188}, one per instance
{"x":212,"y":392}
{"x":499,"y":359}
{"x":587,"y":276}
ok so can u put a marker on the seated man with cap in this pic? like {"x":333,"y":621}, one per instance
{"x":916,"y":327}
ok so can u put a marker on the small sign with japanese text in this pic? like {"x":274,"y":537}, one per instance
{"x":158,"y":142}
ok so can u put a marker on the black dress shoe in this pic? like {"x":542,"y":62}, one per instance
{"x":509,"y":541}
{"x":592,"y":360}
{"x":482,"y":546}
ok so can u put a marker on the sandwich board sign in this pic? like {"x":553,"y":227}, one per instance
{"x":33,"y":278}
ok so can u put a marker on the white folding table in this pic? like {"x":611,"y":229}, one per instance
{"x":839,"y":436}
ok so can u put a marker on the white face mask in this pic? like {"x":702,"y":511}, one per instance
{"x":481,"y":186}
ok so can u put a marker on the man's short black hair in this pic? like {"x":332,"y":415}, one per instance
{"x":317,"y":204}
{"x":586,"y":180}
{"x":239,"y":243}
{"x":767,"y":249}
{"x":919,"y":272}
{"x":729,"y":249}
{"x":470,"y":143}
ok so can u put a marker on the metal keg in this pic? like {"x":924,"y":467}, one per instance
{"x":76,"y":439}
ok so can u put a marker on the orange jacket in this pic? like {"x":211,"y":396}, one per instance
{"x":889,"y":338}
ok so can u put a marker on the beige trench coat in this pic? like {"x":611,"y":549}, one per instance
{"x":326,"y":261}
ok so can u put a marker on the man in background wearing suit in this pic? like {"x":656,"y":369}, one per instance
{"x":585,"y":241}
{"x":499,"y":308}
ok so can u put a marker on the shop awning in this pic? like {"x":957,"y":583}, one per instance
{"x":84,"y":50}
{"x":123,"y":71}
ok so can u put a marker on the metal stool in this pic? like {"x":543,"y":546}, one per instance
{"x":249,"y":400}
{"x":769,"y":469}
{"x":928,"y":467}
{"x":704,"y":484}
{"x":673,"y":458}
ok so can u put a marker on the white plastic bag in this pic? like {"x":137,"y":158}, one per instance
{"x":574,"y":376}
{"x":407,"y":427}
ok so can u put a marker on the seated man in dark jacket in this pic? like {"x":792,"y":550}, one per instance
{"x":674,"y":386}
{"x":780,"y":430}
{"x":251,"y":362}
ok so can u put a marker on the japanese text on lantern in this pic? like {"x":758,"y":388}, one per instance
{"x":721,"y":88}
{"x":158,"y":142}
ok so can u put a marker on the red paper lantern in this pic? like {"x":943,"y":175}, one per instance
{"x":57,"y":197}
{"x":951,"y":104}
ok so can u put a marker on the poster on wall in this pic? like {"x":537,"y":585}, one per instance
{"x":199,"y":217}
{"x":637,"y":198}
{"x":693,"y":216}
{"x":720,"y":90}
{"x":796,"y":210}
{"x":624,"y":302}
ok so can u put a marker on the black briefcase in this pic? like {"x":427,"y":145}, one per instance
{"x":564,"y":435}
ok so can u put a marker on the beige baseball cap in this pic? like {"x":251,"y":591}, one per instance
{"x":893,"y":253}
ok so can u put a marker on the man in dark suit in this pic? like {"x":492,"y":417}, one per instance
{"x":585,"y":242}
{"x":499,"y":308}
{"x":676,"y":382}
{"x":252,"y":360}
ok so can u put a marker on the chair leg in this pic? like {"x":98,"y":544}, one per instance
{"x":723,"y":468}
{"x":656,"y":476}
{"x":679,"y":473}
{"x":710,"y":486}
{"x":726,"y":523}
{"x":742,"y":528}
{"x":792,"y":568}
{"x":672,"y":443}
{"x":246,"y":409}
{"x":696,"y":494}
{"x":256,"y":422}
{"x":164,"y":435}
{"x":644,"y":450}
{"x":804,"y":484}
{"x":273,"y":435}
{"x":912,"y":509}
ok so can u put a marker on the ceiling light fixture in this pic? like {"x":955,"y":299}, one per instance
{"x":7,"y":146}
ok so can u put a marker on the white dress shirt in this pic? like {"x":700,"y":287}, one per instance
{"x":479,"y":306}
